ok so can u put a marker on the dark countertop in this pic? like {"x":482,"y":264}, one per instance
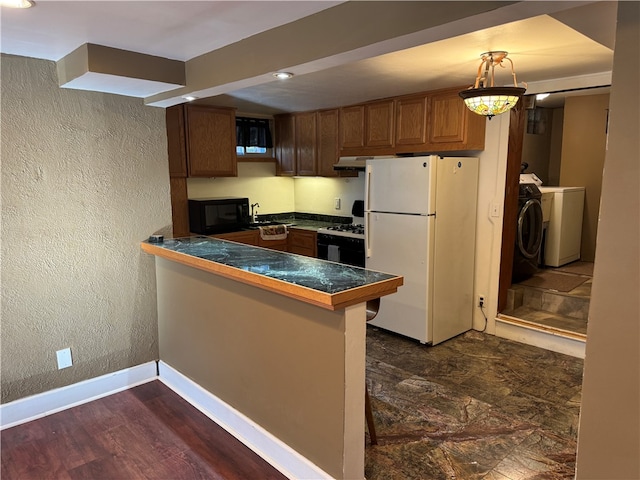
{"x":306,"y":221}
{"x":326,"y":284}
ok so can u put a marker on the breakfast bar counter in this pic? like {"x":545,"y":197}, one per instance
{"x":271,"y":346}
{"x":326,"y":284}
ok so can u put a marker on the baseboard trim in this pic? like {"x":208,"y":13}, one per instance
{"x":46,"y":403}
{"x":275,"y":452}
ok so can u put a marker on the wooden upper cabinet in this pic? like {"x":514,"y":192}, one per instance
{"x":305,"y":141}
{"x":452,"y":126}
{"x":411,"y":123}
{"x":179,"y":206}
{"x":379,"y":124}
{"x":285,"y":145}
{"x":176,"y":143}
{"x":327,"y":144}
{"x":211,"y":141}
{"x":352,"y":127}
{"x":367,"y":129}
{"x":307,"y":144}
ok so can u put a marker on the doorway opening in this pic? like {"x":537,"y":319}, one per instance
{"x":561,"y":147}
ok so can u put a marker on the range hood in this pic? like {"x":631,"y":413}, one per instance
{"x":355,"y":163}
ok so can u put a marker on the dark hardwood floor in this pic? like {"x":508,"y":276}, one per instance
{"x":147,"y":432}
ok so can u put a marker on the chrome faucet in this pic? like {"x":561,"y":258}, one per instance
{"x":254,"y":216}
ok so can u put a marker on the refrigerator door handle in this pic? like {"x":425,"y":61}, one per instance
{"x":367,"y":183}
{"x":367,"y":237}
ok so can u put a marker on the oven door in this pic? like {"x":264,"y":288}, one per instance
{"x":341,"y":249}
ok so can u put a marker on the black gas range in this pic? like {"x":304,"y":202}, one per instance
{"x":342,"y":243}
{"x":344,"y":230}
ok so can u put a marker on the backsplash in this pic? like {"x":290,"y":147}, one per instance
{"x":259,"y":182}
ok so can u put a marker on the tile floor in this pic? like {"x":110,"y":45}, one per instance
{"x":474,"y":407}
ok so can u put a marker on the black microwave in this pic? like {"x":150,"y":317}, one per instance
{"x":208,"y":216}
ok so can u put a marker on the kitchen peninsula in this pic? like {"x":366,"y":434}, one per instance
{"x":277,"y":337}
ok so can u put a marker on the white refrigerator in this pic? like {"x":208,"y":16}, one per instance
{"x":420,"y":222}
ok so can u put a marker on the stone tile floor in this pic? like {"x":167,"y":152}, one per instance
{"x":474,"y":407}
{"x":564,"y":311}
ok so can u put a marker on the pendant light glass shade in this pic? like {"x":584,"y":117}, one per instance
{"x":491,"y":101}
{"x":485,"y":99}
{"x":17,"y":3}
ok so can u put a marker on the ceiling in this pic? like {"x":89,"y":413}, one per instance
{"x":340,"y":52}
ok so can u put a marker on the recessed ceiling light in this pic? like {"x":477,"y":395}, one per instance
{"x":17,"y":3}
{"x":541,"y":96}
{"x":189,"y":98}
{"x":283,"y":75}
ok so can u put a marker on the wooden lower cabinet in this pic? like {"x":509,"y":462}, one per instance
{"x":249,"y":237}
{"x":281,"y":245}
{"x":303,"y":242}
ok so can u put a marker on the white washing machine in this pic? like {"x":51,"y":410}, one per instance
{"x":564,"y":231}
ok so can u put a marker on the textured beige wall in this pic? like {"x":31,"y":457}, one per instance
{"x":294,"y":368}
{"x":609,"y":432}
{"x":84,"y":179}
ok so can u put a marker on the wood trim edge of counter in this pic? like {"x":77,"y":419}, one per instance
{"x":335,"y":301}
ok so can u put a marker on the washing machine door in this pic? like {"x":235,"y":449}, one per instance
{"x":529,"y":234}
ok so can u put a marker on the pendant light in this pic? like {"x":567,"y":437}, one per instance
{"x":17,"y":3}
{"x":486,"y":99}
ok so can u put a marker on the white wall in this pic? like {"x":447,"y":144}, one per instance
{"x":84,"y":180}
{"x":491,"y":187}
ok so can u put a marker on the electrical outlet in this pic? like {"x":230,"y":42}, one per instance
{"x":64,"y":358}
{"x":481,"y":301}
{"x":336,"y":203}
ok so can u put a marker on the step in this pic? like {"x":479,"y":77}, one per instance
{"x":547,"y":337}
{"x":549,"y":321}
{"x":573,"y":304}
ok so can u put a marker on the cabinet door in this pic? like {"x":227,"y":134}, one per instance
{"x":451,"y":125}
{"x":303,"y":242}
{"x":380,"y":121}
{"x":352,"y":127}
{"x":327,"y":145}
{"x":285,"y":145}
{"x":305,"y":140}
{"x":280,"y":245}
{"x":447,"y":118}
{"x":211,"y":141}
{"x":176,"y":143}
{"x":411,"y":121}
